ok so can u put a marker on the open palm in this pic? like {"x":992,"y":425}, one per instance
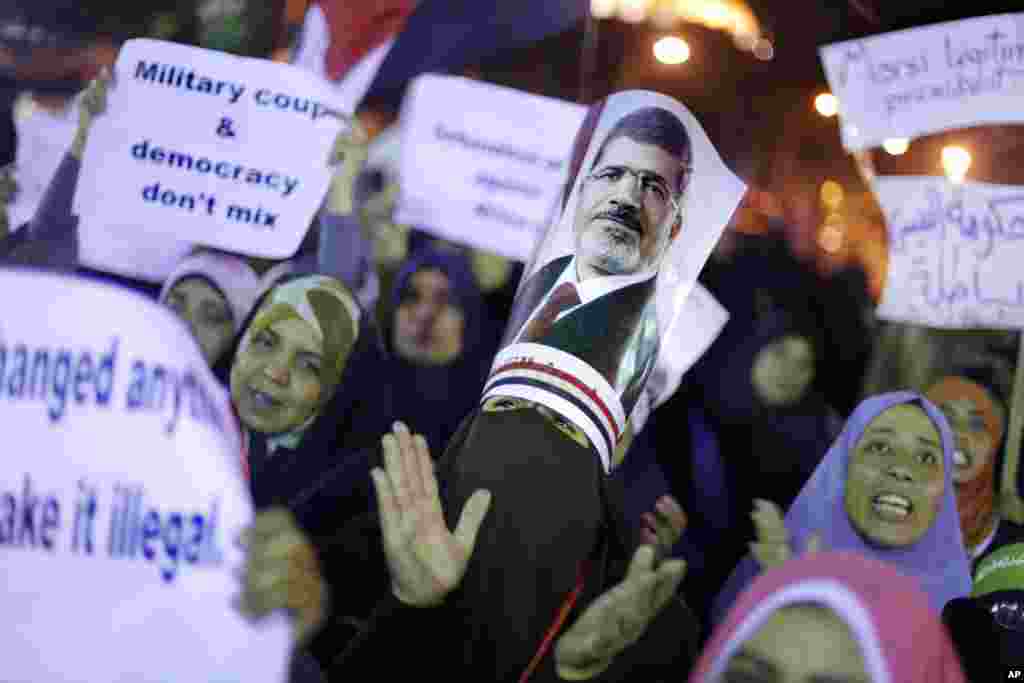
{"x":426,"y":560}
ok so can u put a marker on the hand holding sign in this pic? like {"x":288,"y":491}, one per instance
{"x":93,"y":104}
{"x":348,"y":156}
{"x":426,"y":560}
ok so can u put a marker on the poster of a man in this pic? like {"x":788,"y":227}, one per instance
{"x":645,"y":200}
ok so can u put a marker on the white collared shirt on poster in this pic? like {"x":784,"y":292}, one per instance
{"x":588,"y":290}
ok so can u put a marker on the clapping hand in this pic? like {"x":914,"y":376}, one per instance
{"x":663,"y":527}
{"x":618,"y":617}
{"x":772,"y":546}
{"x":426,"y":560}
{"x":282,"y":572}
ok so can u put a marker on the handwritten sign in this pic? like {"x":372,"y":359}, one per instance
{"x":487,"y":170}
{"x":911,"y":83}
{"x":956,"y":253}
{"x":121,"y":496}
{"x":207,"y":148}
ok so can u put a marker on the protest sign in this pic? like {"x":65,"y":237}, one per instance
{"x":920,"y":81}
{"x":697,"y":326}
{"x":955,"y":253}
{"x":605,"y":287}
{"x":208,"y":148}
{"x":121,"y":496}
{"x":43,"y":139}
{"x":487,"y":171}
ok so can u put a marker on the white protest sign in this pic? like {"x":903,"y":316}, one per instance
{"x":920,"y":81}
{"x":483,"y":164}
{"x":698,"y":324}
{"x":43,"y":139}
{"x":955,"y":253}
{"x":206,"y":148}
{"x":121,"y":496}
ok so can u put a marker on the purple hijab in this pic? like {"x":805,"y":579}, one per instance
{"x":938,"y":560}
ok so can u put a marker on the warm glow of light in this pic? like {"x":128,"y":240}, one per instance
{"x":764,"y":50}
{"x":746,"y":41}
{"x":715,"y":14}
{"x":956,"y":161}
{"x":633,"y":11}
{"x":665,"y":16}
{"x":831,"y":194}
{"x":831,"y":238}
{"x":603,"y":9}
{"x":826,"y":104}
{"x":896,"y":146}
{"x":671,"y":50}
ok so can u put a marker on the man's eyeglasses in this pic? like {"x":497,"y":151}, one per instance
{"x":654,"y":187}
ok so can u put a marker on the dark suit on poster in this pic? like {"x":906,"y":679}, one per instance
{"x":602,"y":332}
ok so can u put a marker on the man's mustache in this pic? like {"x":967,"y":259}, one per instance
{"x":625,"y":215}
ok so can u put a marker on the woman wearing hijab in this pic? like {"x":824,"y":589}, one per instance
{"x":213,"y":293}
{"x":830,"y":616}
{"x":437,"y":335}
{"x":972,"y":401}
{"x":885,"y":490}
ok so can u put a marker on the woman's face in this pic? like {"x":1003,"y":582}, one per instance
{"x":895,"y":479}
{"x":428,"y":326}
{"x":275,"y":380}
{"x":783,"y":370}
{"x":975,"y":448}
{"x":799,"y":644}
{"x":207,"y":314}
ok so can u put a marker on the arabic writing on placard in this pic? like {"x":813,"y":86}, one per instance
{"x":956,"y":253}
{"x":921,"y":81}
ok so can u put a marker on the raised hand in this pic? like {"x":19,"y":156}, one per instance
{"x":772,"y":546}
{"x":663,"y":527}
{"x":8,"y":190}
{"x":426,"y":560}
{"x":93,"y":104}
{"x":282,"y":572}
{"x":618,"y":617}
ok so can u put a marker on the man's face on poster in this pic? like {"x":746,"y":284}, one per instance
{"x":627,"y":211}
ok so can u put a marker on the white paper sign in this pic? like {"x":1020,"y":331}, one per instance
{"x":698,"y":324}
{"x":911,"y":83}
{"x":482,"y":164}
{"x":43,"y":139}
{"x":956,"y":253}
{"x":206,"y":148}
{"x":121,"y":496}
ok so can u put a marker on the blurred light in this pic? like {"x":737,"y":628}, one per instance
{"x":955,"y":161}
{"x":664,"y":16}
{"x":896,"y":146}
{"x":826,"y":104}
{"x":671,"y":50}
{"x":764,"y":50}
{"x":831,"y":194}
{"x":831,"y":238}
{"x":715,"y":14}
{"x":745,"y":41}
{"x":633,"y":11}
{"x":603,"y":9}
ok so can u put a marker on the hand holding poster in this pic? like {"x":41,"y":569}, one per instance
{"x":121,"y":497}
{"x":911,"y":83}
{"x":955,"y":253}
{"x":488,"y":176}
{"x":206,"y":148}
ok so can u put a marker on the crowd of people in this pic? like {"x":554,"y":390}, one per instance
{"x":415,"y":516}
